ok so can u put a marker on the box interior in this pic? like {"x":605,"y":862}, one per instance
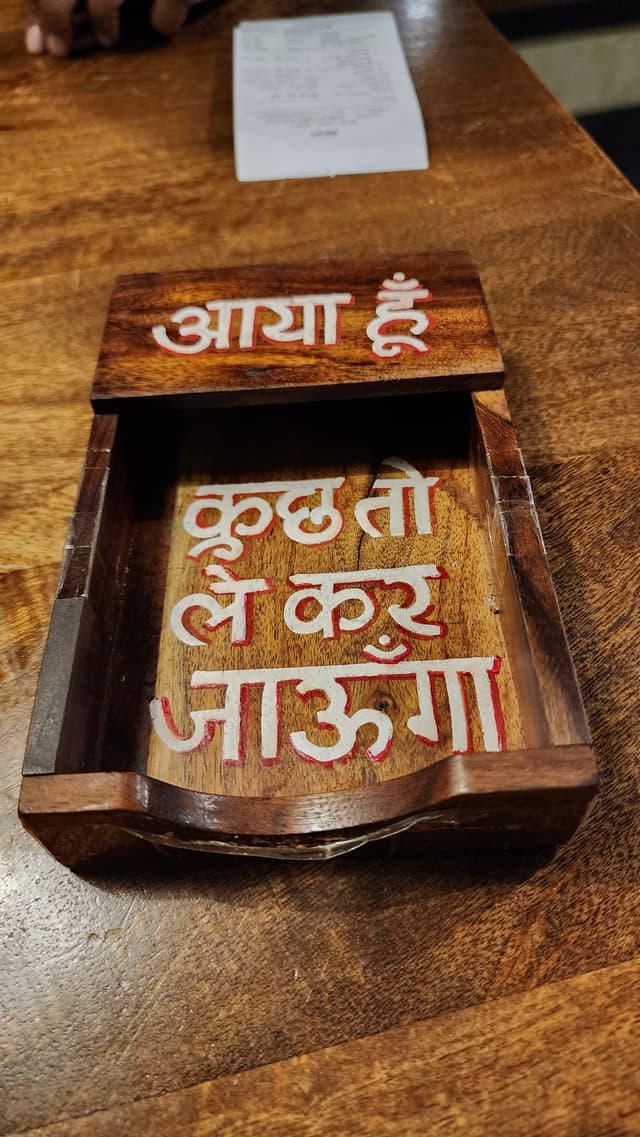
{"x":156,"y":463}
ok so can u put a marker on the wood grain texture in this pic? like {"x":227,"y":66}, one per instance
{"x":508,"y":1068}
{"x":165,"y":976}
{"x":462,"y":352}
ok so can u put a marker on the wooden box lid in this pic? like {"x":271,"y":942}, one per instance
{"x":281,"y":333}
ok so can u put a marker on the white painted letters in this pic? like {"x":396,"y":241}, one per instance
{"x":329,"y":591}
{"x":222,"y":537}
{"x":196,"y":332}
{"x":394,"y":495}
{"x":330,"y":682}
{"x":396,"y":300}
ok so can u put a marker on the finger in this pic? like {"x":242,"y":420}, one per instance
{"x":55,"y":22}
{"x":168,"y":16}
{"x":34,"y":39}
{"x":105,"y":18}
{"x":33,"y":36}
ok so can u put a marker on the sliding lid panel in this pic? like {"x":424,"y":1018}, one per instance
{"x":277,"y":333}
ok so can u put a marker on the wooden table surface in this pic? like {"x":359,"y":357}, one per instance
{"x":383,"y":993}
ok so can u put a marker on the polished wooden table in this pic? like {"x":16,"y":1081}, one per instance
{"x":386,"y":992}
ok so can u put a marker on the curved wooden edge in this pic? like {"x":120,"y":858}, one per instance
{"x":542,"y":793}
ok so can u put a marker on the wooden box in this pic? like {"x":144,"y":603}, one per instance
{"x":293,"y":618}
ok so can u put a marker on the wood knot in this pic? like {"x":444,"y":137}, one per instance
{"x":384,"y":701}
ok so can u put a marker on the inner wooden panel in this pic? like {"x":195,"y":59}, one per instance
{"x":347,"y":441}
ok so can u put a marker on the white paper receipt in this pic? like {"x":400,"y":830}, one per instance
{"x":324,"y":95}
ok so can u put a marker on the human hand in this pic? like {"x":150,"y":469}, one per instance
{"x":51,"y":22}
